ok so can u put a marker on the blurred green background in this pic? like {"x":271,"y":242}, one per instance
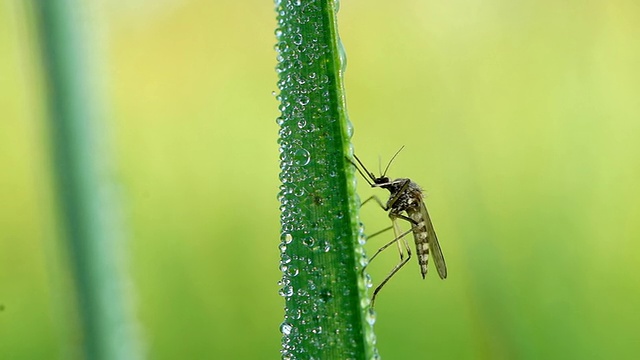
{"x":520,"y":119}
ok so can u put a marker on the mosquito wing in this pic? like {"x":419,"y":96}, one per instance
{"x":434,"y":246}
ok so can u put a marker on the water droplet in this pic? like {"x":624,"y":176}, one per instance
{"x":301,"y":157}
{"x":336,"y":5}
{"x":326,"y":295}
{"x":364,"y":261}
{"x":303,"y":100}
{"x":367,"y":281}
{"x":376,"y":354}
{"x":371,"y":338}
{"x":283,"y":268}
{"x":302,"y":123}
{"x":286,"y":291}
{"x":284,"y":132}
{"x":296,"y":315}
{"x":309,"y":241}
{"x":286,"y":238}
{"x":371,"y":316}
{"x":282,"y":47}
{"x":297,"y":39}
{"x":299,"y":191}
{"x":292,"y":271}
{"x":286,"y":329}
{"x":349,"y":129}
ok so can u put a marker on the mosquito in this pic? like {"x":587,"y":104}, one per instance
{"x":406,"y":197}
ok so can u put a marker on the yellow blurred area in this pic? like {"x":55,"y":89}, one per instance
{"x":520,"y":119}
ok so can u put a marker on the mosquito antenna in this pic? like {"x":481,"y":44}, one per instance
{"x":390,"y":161}
{"x":369,"y":176}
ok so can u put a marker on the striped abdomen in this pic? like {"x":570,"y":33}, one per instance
{"x":420,"y":235}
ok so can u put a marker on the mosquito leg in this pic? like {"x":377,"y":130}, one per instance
{"x":389,"y":244}
{"x":397,"y":231}
{"x":398,"y":235}
{"x":406,"y":218}
{"x":373,"y":197}
{"x":385,"y":247}
{"x":393,"y":272}
{"x":376,"y":199}
{"x":379,"y":232}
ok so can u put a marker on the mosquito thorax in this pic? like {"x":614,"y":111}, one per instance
{"x":410,"y":197}
{"x":393,"y":186}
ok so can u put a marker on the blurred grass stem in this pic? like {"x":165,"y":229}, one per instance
{"x":81,"y":173}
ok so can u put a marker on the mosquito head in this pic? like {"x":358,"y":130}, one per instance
{"x":371,"y":179}
{"x":380,"y":181}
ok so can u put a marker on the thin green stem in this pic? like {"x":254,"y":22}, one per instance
{"x":322,"y":257}
{"x":81,"y":173}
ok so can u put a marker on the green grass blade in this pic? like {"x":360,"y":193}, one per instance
{"x":321,"y":260}
{"x":86,"y":200}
